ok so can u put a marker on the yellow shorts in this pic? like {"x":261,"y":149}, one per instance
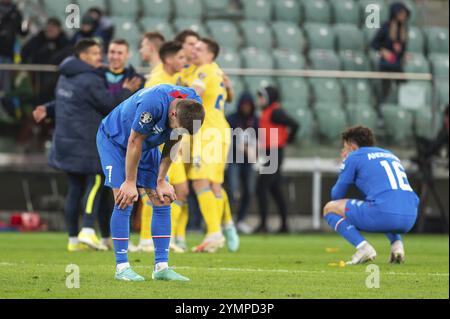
{"x":177,"y":173}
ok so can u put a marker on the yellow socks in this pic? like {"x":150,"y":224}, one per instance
{"x":146,"y":218}
{"x":176,"y":208}
{"x":208,"y":207}
{"x":180,"y":231}
{"x":226,"y":219}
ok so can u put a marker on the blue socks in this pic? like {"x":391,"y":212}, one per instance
{"x":161,"y":229}
{"x":120,"y":232}
{"x":393,"y":237}
{"x":345,"y":229}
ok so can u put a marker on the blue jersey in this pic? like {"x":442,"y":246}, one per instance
{"x":146,"y":112}
{"x":379,"y":176}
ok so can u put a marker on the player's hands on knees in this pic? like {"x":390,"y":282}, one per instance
{"x":127,"y":195}
{"x":163,"y":188}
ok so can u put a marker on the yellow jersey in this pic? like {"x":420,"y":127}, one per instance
{"x":187,"y":75}
{"x":159,"y":76}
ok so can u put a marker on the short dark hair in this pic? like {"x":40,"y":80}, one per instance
{"x":83,"y":45}
{"x":54,"y":21}
{"x":188,"y":112}
{"x":120,"y":42}
{"x":360,"y":135}
{"x":168,"y":49}
{"x":155,"y":37}
{"x":212,"y":45}
{"x":181,"y":37}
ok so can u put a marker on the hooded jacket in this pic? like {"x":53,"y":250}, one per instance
{"x":390,"y":33}
{"x":81,"y":101}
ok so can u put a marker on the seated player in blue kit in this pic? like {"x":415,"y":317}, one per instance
{"x":127,"y":141}
{"x":390,"y":204}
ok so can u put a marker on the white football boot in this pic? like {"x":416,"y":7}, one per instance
{"x":364,"y":254}
{"x":397,"y":253}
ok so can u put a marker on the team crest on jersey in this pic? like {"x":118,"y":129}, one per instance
{"x":146,"y":118}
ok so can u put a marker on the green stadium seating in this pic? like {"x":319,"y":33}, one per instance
{"x":317,"y":11}
{"x":414,"y":95}
{"x":229,"y":59}
{"x":192,"y":24}
{"x":424,"y":124}
{"x":303,"y":115}
{"x":126,"y":28}
{"x":331,"y":120}
{"x":135,"y":59}
{"x":324,"y":60}
{"x":87,"y":4}
{"x":361,"y":114}
{"x":257,"y":34}
{"x":416,"y":41}
{"x":398,"y":124}
{"x":257,"y":9}
{"x":157,"y":24}
{"x":238,"y":88}
{"x":157,"y":8}
{"x":384,"y":9}
{"x":346,"y":11}
{"x":442,"y":93}
{"x":56,"y":8}
{"x":254,"y":83}
{"x":288,"y":60}
{"x":437,"y":39}
{"x":192,"y":9}
{"x":327,"y":90}
{"x":417,"y":63}
{"x":256,"y":59}
{"x":287,"y":10}
{"x":126,"y":8}
{"x":294,"y":90}
{"x":215,"y":8}
{"x":288,"y":36}
{"x":319,"y":36}
{"x":357,"y":91}
{"x":348,"y":37}
{"x":439,"y":65}
{"x":368,"y":34}
{"x":354,"y":61}
{"x":225,"y":32}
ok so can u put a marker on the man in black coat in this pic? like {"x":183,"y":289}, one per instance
{"x":82,"y":100}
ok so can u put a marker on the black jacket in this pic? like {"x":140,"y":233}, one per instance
{"x":40,"y":50}
{"x":82,"y":100}
{"x":10,"y":27}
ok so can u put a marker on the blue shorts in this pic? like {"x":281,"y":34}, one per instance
{"x":112,"y":158}
{"x":369,"y":217}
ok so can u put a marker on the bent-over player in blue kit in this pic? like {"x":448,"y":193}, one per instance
{"x":390,"y":205}
{"x":127,"y":141}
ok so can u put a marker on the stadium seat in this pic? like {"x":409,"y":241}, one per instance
{"x":348,"y":37}
{"x":238,"y":88}
{"x":368,"y":34}
{"x":417,"y":63}
{"x":253,"y":58}
{"x":287,"y":10}
{"x":135,"y":58}
{"x":425,"y":125}
{"x":324,"y":60}
{"x":331,"y":120}
{"x":295,"y":90}
{"x":442,"y":93}
{"x":398,"y":123}
{"x":357,"y":91}
{"x":319,"y":36}
{"x":157,"y":24}
{"x":416,"y":42}
{"x":229,"y":59}
{"x":437,"y":39}
{"x":361,"y":114}
{"x":157,"y":8}
{"x":439,"y":65}
{"x":55,"y":8}
{"x":126,"y":8}
{"x":87,"y":4}
{"x":215,"y":7}
{"x":257,"y":34}
{"x":192,"y":24}
{"x":346,"y":11}
{"x":257,"y":9}
{"x":414,"y":95}
{"x":384,"y":9}
{"x":317,"y":11}
{"x":288,"y":36}
{"x":254,"y":83}
{"x":354,"y":61}
{"x":188,"y":9}
{"x":126,"y":28}
{"x":288,"y":60}
{"x":327,"y":90}
{"x":225,"y":32}
{"x":303,"y":115}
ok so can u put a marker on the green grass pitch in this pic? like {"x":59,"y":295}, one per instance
{"x":294,"y":266}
